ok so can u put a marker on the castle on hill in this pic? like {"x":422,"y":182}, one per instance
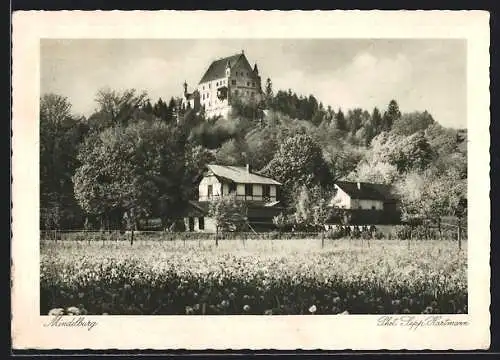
{"x":225,"y":82}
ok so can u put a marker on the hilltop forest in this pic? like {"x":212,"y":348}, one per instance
{"x":141,"y":157}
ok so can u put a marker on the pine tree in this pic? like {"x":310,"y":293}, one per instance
{"x":269,"y":93}
{"x":376,"y":120}
{"x":340,"y":122}
{"x":391,"y":115}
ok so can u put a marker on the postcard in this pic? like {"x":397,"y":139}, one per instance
{"x":251,"y":180}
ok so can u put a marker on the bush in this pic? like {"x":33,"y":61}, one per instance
{"x":423,"y":232}
{"x":334,"y":234}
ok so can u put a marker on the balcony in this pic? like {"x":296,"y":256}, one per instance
{"x":239,"y":197}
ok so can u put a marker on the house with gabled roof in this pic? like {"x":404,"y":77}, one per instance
{"x":225,"y":81}
{"x":260,"y":194}
{"x":365,"y":204}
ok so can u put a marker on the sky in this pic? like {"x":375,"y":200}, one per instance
{"x":420,"y":74}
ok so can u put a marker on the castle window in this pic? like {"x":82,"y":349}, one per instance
{"x":248,"y":83}
{"x":236,"y":92}
{"x":253,"y":83}
{"x":233,"y":82}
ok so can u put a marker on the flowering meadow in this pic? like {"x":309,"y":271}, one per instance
{"x":255,"y":277}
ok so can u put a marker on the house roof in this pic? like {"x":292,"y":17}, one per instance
{"x":239,"y":174}
{"x":217,"y":69}
{"x":367,"y":191}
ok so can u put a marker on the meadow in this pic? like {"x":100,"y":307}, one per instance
{"x":254,"y":277}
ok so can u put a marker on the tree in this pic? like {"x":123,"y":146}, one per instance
{"x":391,"y":115}
{"x":345,"y":161}
{"x":376,"y":120}
{"x":136,"y":167}
{"x":229,"y":214}
{"x":118,"y":107}
{"x":196,"y":158}
{"x":340,"y":121}
{"x":422,"y":195}
{"x":414,"y":152}
{"x":354,"y":120}
{"x":406,"y":153}
{"x":148,"y":108}
{"x":60,"y":136}
{"x":261,"y":145}
{"x":55,"y":109}
{"x":374,"y":172}
{"x":312,"y":207}
{"x":411,"y":123}
{"x":299,"y":161}
{"x":443,"y":140}
{"x":283,"y":221}
{"x":232,"y":152}
{"x":318,"y":117}
{"x":269,"y":94}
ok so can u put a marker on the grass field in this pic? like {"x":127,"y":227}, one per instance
{"x":253,"y":277}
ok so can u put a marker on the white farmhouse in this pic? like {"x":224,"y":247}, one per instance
{"x":260,"y":193}
{"x":366,"y":203}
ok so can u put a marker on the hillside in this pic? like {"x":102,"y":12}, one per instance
{"x":134,"y":155}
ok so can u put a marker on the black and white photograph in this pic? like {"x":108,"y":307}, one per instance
{"x":246,"y":176}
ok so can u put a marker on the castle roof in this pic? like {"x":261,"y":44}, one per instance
{"x":217,"y":69}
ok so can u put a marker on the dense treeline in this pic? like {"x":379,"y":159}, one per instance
{"x":135,"y":158}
